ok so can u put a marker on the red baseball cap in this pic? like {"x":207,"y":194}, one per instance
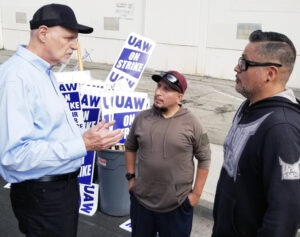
{"x":174,"y":79}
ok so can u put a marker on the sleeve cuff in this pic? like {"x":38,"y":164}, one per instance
{"x":76,"y":148}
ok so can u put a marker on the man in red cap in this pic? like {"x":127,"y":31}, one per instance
{"x":41,"y":147}
{"x":164,"y":140}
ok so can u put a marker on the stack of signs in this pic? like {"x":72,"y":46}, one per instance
{"x":131,"y":63}
{"x":83,"y":96}
{"x":90,"y":101}
{"x":90,"y":97}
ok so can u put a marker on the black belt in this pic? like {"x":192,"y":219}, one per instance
{"x":59,"y":177}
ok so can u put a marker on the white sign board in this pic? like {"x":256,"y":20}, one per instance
{"x":131,"y":63}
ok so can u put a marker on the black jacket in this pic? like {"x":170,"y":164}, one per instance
{"x":258,"y":193}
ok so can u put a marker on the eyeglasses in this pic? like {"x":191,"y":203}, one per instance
{"x":171,"y":78}
{"x":244,"y":64}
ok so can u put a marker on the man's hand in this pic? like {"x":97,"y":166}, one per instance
{"x":201,"y":176}
{"x":100,"y":138}
{"x":193,"y":198}
{"x":130,"y":183}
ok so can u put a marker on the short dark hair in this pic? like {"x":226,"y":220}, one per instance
{"x":277,"y":46}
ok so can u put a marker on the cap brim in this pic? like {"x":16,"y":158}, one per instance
{"x":157,"y":78}
{"x":80,"y":28}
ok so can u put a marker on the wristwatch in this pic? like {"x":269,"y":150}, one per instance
{"x":129,"y":176}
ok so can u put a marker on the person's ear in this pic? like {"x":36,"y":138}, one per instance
{"x":180,"y":97}
{"x":272,"y":73}
{"x":42,"y":33}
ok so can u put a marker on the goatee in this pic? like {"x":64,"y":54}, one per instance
{"x":161,"y":109}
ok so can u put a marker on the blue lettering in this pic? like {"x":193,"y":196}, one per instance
{"x":87,"y":197}
{"x":130,"y":83}
{"x":128,"y":103}
{"x":84,"y":100}
{"x":112,"y":78}
{"x":138,"y":44}
{"x":71,"y":86}
{"x":147,"y":46}
{"x":104,"y":103}
{"x":130,"y":42}
{"x":118,"y":103}
{"x":139,"y":102}
{"x":94,"y":100}
{"x":128,"y":224}
{"x":62,"y":87}
{"x":87,"y":189}
{"x":90,"y":124}
{"x":87,"y":207}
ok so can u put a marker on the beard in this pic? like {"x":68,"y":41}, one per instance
{"x":244,"y":92}
{"x":248,"y":92}
{"x":160,"y":109}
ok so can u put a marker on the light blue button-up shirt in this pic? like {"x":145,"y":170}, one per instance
{"x":38,"y":135}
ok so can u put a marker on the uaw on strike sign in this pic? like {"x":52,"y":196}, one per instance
{"x":83,"y":97}
{"x":127,"y":70}
{"x":90,"y":101}
{"x":123,"y":106}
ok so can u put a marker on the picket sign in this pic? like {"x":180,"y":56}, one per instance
{"x":82,"y":94}
{"x":69,"y":86}
{"x":88,"y":199}
{"x":90,"y":101}
{"x":83,"y":97}
{"x":126,"y":225}
{"x":128,"y":69}
{"x":123,"y":106}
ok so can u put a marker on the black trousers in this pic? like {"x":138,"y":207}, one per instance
{"x":46,"y":209}
{"x":146,"y":223}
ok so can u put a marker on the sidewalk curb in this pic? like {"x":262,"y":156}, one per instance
{"x":204,"y":209}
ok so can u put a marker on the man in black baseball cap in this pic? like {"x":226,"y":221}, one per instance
{"x":54,"y":32}
{"x":57,"y":14}
{"x":41,"y":147}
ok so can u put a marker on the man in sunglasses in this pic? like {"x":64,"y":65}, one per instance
{"x":258,"y":191}
{"x":165,"y":139}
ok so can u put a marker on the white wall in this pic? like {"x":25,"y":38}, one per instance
{"x":1,"y":32}
{"x":194,"y":37}
{"x":222,"y":45}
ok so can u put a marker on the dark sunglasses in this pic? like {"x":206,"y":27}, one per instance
{"x":171,"y":78}
{"x":244,"y":64}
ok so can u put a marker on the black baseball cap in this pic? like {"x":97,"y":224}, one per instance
{"x":57,"y":14}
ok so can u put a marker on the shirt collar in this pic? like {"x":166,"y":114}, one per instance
{"x":32,"y":58}
{"x":288,"y":94}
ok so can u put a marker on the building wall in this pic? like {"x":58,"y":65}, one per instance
{"x":195,"y":37}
